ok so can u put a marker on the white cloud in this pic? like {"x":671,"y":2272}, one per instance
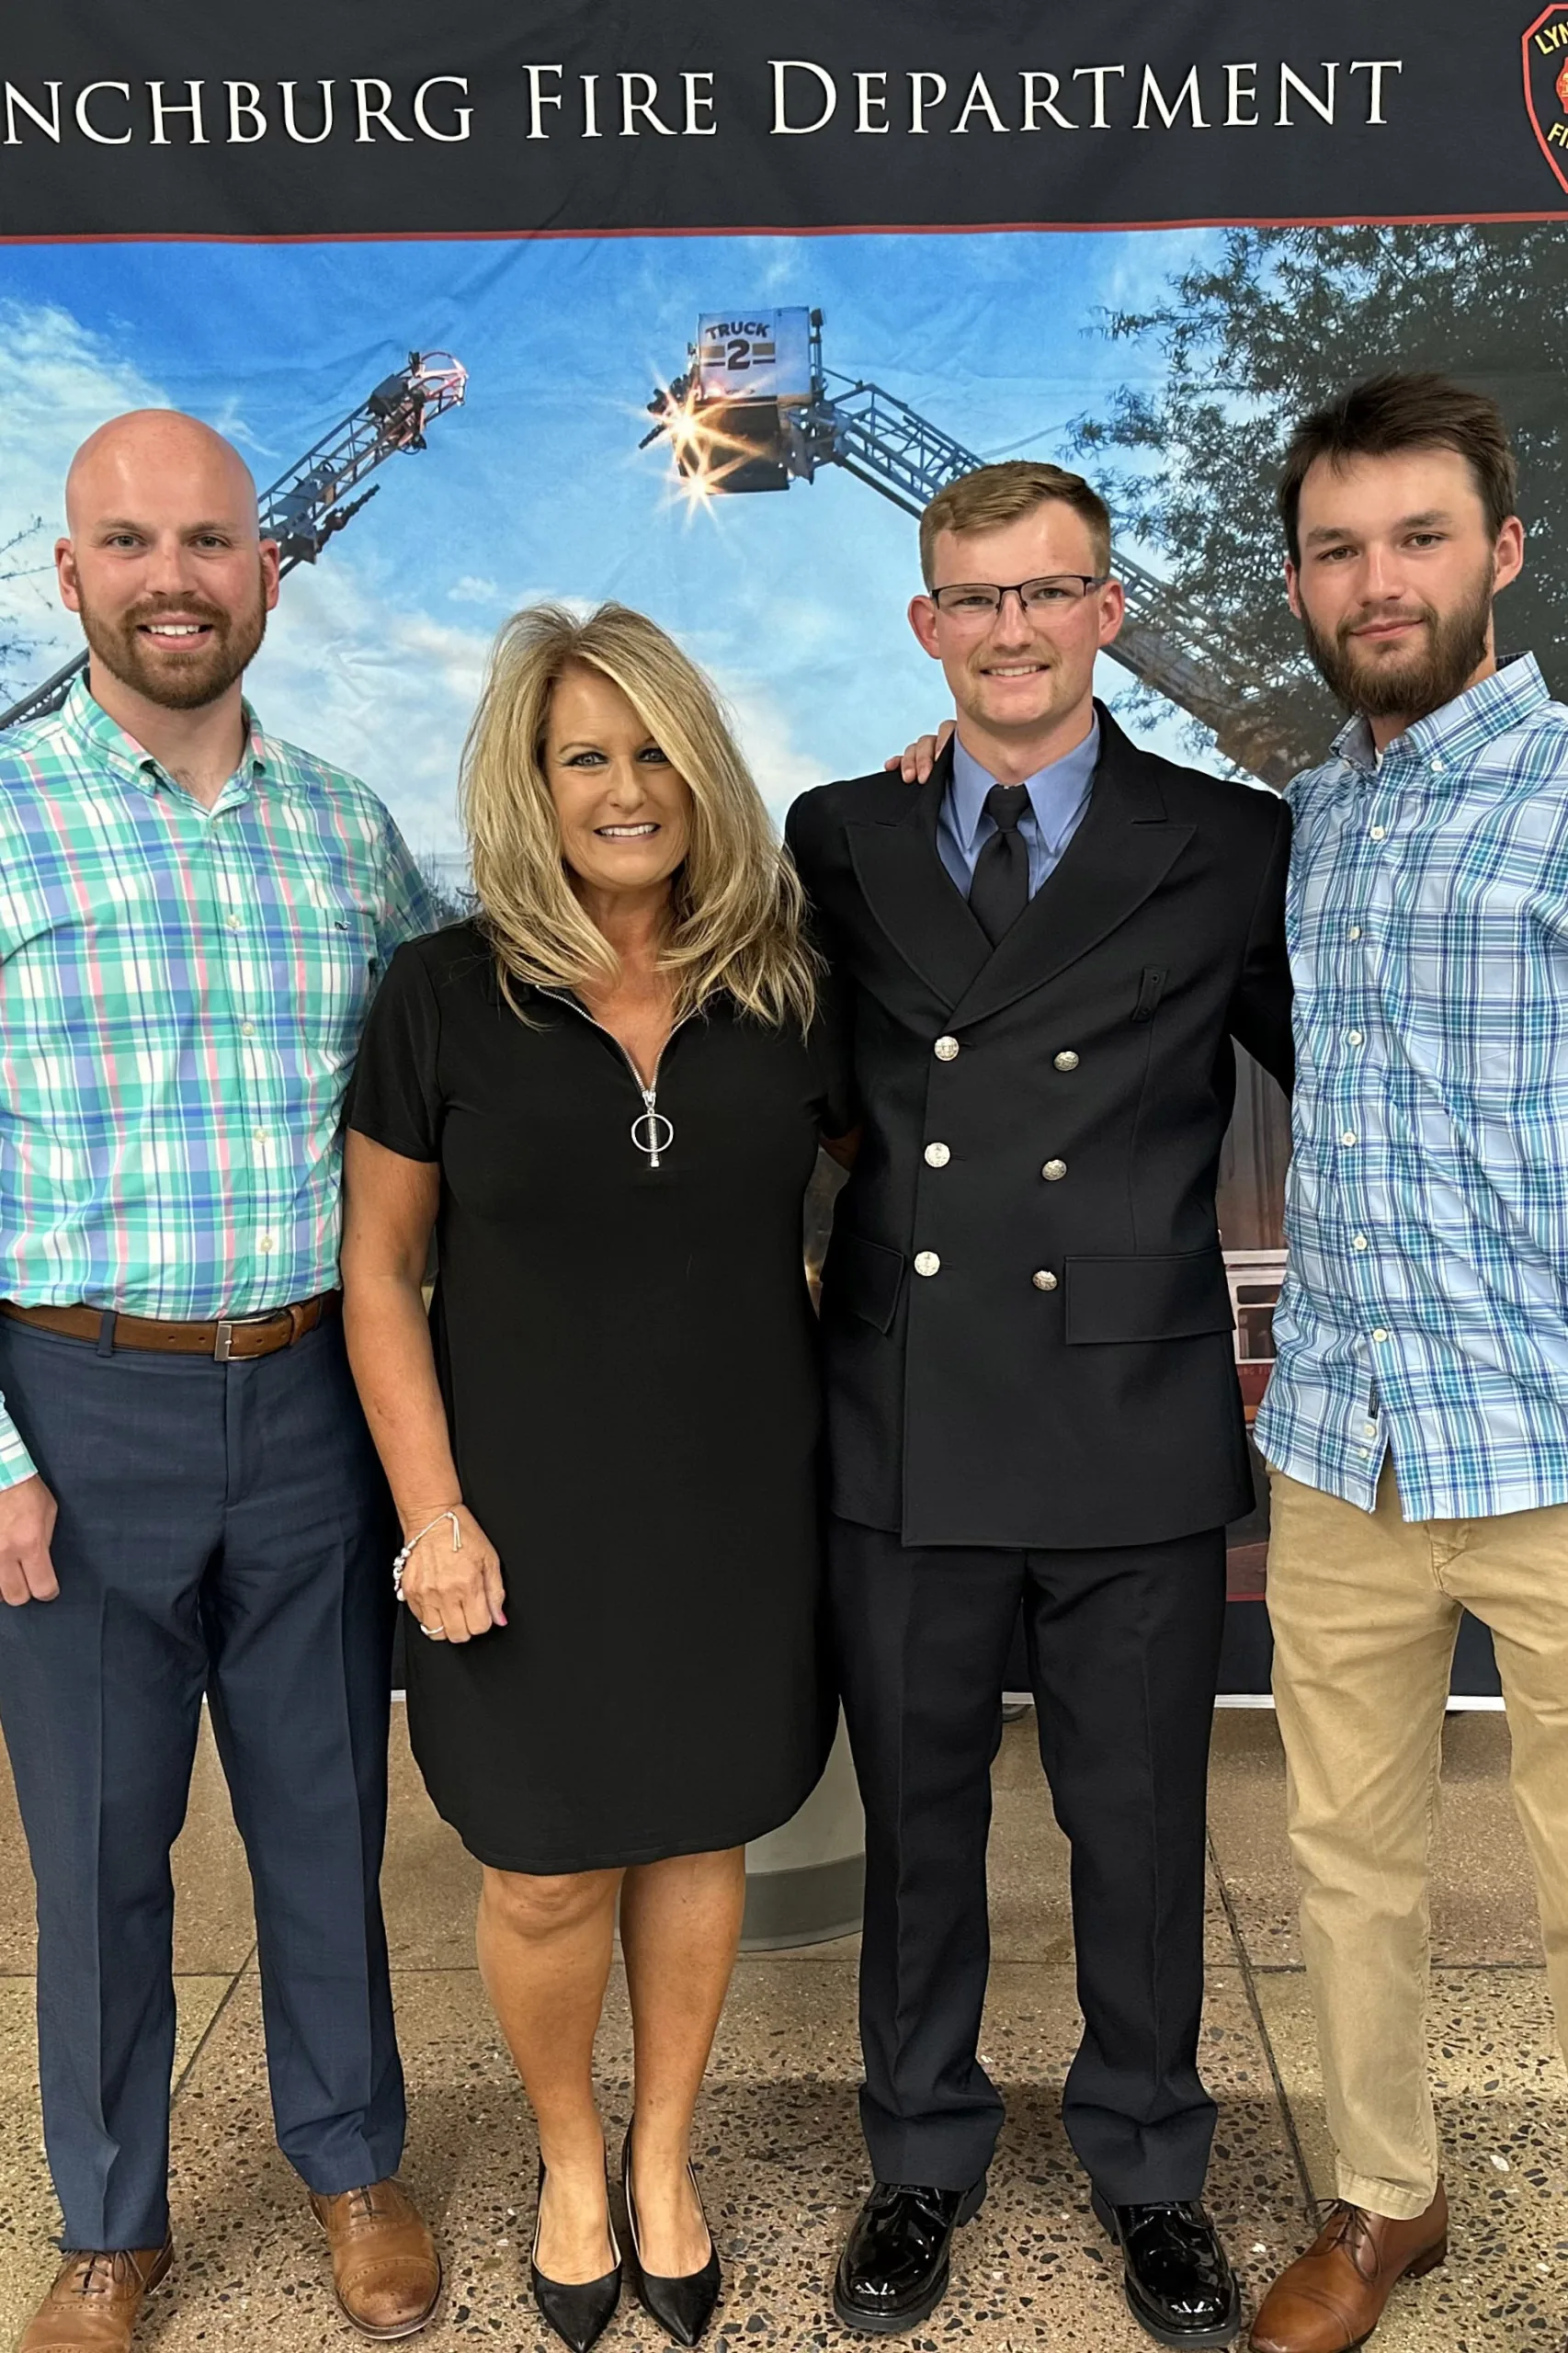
{"x":74,"y":381}
{"x":384,"y":691}
{"x":471,"y":589}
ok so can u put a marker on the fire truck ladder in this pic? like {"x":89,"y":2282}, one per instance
{"x":306,"y":505}
{"x":1167,"y":642}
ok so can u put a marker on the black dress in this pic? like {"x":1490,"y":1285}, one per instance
{"x":627,"y":1355}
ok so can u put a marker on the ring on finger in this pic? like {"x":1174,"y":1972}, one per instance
{"x":433,"y":1634}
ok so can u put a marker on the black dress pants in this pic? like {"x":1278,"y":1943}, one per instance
{"x":1123,"y":1648}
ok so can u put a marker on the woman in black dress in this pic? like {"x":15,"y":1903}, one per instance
{"x":606,"y":1094}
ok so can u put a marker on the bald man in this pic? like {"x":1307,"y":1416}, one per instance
{"x":193,"y":916}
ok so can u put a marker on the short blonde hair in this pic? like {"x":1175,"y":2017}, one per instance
{"x":994,"y":495}
{"x":736,"y":906}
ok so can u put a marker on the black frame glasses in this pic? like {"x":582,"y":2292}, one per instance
{"x":991,"y":596}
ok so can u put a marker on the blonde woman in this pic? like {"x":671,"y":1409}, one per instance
{"x":605,"y":1094}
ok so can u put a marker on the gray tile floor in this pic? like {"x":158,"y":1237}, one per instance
{"x":782,"y":2166}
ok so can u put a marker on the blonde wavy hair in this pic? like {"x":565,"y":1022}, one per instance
{"x":736,"y":907}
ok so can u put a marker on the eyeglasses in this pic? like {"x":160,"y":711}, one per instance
{"x":976,"y":600}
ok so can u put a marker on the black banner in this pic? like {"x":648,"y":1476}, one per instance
{"x":296,"y":120}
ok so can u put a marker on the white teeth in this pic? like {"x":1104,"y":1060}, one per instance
{"x":624,"y":833}
{"x":176,"y":629}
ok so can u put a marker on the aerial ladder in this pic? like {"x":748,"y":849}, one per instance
{"x":756,"y":410}
{"x":307,"y":505}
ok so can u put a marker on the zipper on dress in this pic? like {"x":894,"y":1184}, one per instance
{"x":651,"y":1112}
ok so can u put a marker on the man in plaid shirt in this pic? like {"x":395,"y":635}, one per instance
{"x":1416,"y":1424}
{"x":192,"y":919}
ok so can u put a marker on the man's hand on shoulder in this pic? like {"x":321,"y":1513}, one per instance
{"x":27,"y":1527}
{"x":917,"y":760}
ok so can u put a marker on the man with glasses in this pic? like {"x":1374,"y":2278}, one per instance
{"x":1032,"y":1396}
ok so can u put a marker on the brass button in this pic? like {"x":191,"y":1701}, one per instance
{"x":936,"y":1155}
{"x":1067,"y":1060}
{"x":1053,"y":1171}
{"x":1044,"y":1279}
{"x":926,"y":1262}
{"x":947,"y":1050}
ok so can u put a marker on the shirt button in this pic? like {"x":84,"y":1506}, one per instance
{"x":947,"y":1050}
{"x":1379,"y":833}
{"x":247,"y":1028}
{"x":234,"y":923}
{"x":1380,"y":1335}
{"x":1357,"y":1039}
{"x":926,"y":1262}
{"x":1053,"y":1171}
{"x":936,"y":1155}
{"x":266,"y":1242}
{"x":1362,"y":1243}
{"x":1067,"y":1060}
{"x":1043,"y":1279}
{"x":1349,"y":1137}
{"x":1354,"y":931}
{"x":1368,"y":1429}
{"x":261,"y":1139}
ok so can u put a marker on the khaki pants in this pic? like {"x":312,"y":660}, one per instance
{"x":1365,"y":1608}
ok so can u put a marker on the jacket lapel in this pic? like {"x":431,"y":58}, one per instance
{"x":1118,"y":856}
{"x":914,"y":898}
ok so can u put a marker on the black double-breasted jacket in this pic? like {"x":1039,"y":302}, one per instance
{"x":1025,"y":1314}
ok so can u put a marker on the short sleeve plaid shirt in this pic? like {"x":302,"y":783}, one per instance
{"x":181,"y":996}
{"x":1425,"y":1310}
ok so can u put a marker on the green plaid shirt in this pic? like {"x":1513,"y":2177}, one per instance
{"x":181,"y":996}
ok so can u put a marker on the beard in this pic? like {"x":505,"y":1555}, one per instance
{"x":169,"y":675}
{"x":1418,"y":681}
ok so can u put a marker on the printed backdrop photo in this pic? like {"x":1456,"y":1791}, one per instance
{"x":510,"y":304}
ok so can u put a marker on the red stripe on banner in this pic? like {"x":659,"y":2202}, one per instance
{"x":837,"y":229}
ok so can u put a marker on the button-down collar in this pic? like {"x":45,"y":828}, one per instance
{"x":109,"y":746}
{"x":1447,"y":741}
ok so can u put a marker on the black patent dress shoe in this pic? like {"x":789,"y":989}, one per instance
{"x":893,"y":2270}
{"x":1178,"y":2278}
{"x":682,"y":2307}
{"x":579,"y":2311}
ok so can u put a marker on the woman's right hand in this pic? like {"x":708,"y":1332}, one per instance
{"x":454,"y":1595}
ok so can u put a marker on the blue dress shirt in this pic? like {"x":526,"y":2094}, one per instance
{"x":1058,"y":797}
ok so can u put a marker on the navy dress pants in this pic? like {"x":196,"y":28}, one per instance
{"x":1124,"y":1650}
{"x":223,"y":1528}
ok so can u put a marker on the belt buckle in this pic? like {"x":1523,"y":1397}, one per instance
{"x":224,"y":1345}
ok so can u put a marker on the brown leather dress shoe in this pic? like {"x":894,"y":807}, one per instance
{"x":384,"y":2265}
{"x":95,"y":2300}
{"x":1332,"y":2298}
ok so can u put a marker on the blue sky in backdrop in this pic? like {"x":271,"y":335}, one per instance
{"x":793,"y":601}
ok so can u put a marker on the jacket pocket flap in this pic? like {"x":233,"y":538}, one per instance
{"x":863,"y":1277}
{"x":1147,"y":1296}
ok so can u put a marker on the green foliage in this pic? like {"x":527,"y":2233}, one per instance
{"x":1280,"y":322}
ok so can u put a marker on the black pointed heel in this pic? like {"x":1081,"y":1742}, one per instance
{"x":682,"y":2307}
{"x":578,"y":2311}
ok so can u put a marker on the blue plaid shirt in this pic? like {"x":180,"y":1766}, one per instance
{"x":1426,"y":1311}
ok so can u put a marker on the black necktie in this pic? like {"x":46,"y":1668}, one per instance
{"x":1000,"y":890}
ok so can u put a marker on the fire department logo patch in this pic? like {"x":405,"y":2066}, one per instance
{"x":1546,"y":86}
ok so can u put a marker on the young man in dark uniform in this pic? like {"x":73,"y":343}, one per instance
{"x":1048,"y":949}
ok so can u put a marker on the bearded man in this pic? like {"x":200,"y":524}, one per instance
{"x":192,"y":918}
{"x":1416,"y":1424}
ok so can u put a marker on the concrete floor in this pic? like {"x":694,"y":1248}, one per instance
{"x":778,"y":2142}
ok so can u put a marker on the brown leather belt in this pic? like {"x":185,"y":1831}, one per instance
{"x":234,"y":1336}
